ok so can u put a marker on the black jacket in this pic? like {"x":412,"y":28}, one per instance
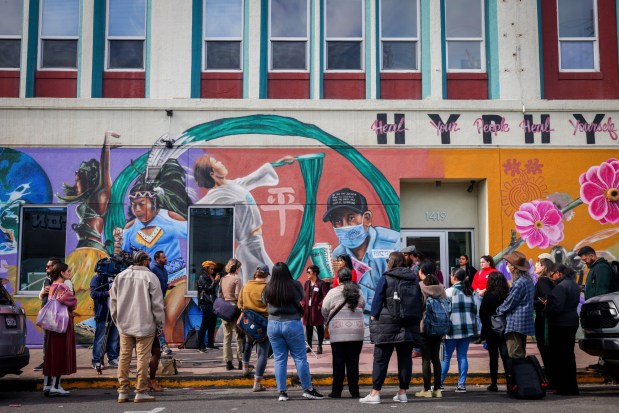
{"x":384,"y":329}
{"x":207,"y":291}
{"x":100,"y":294}
{"x":487,"y":309}
{"x":562,"y":304}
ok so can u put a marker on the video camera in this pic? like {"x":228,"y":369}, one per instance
{"x":114,"y":265}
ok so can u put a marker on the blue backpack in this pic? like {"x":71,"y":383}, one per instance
{"x":437,"y":321}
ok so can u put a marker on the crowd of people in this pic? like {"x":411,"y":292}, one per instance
{"x":411,"y":311}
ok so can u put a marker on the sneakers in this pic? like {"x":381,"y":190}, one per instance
{"x":437,"y":393}
{"x":312,"y":394}
{"x":143,"y":398}
{"x":283,"y":396}
{"x":248,"y":371}
{"x":460,"y":389}
{"x":493,"y":388}
{"x":229,"y":365}
{"x":319,"y":351}
{"x":334,"y":395}
{"x":596,"y":367}
{"x":212,"y":346}
{"x":369,"y":399}
{"x":165,"y":349}
{"x":202,"y":350}
{"x":113,"y":363}
{"x":40,"y":367}
{"x":258,"y":387}
{"x":59,"y":391}
{"x":400,"y":398}
{"x":123,"y":397}
{"x":441,"y":387}
{"x":424,"y":393}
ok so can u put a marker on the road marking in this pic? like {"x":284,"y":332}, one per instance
{"x":155,"y":410}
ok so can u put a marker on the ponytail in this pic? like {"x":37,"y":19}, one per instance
{"x":462,"y":276}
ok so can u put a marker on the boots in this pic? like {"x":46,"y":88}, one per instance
{"x":47,"y":385}
{"x":229,"y":365}
{"x":57,"y":389}
{"x":153,"y":385}
{"x":319,"y":351}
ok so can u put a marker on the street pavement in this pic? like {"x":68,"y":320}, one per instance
{"x":199,"y":370}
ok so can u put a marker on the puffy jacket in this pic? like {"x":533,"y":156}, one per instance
{"x":599,"y":279}
{"x":562,"y":304}
{"x":383,"y":328}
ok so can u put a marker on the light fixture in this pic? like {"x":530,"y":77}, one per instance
{"x":471,"y":187}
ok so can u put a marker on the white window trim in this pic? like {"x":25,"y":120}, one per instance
{"x":290,"y":39}
{"x":481,"y":39}
{"x":14,"y":37}
{"x":18,"y":291}
{"x":595,"y":40}
{"x":345,"y":39}
{"x":109,"y":38}
{"x":401,"y":39}
{"x":224,"y":39}
{"x":40,"y":47}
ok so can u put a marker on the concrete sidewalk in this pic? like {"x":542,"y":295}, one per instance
{"x":197,"y":369}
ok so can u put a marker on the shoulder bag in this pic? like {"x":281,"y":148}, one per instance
{"x":54,"y":316}
{"x":499,"y":323}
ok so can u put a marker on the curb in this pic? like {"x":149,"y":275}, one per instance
{"x":322,"y":380}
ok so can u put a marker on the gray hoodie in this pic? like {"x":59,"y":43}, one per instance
{"x":433,"y":291}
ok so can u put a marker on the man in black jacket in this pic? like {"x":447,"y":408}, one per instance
{"x":208,"y":286}
{"x":100,"y":294}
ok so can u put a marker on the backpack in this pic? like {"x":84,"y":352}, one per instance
{"x":191,"y":341}
{"x":404,"y":303}
{"x":437,"y":321}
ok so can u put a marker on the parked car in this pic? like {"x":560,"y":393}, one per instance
{"x":14,"y":355}
{"x":599,"y":318}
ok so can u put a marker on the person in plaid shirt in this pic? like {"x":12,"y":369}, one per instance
{"x":463,"y":313}
{"x":518,"y":306}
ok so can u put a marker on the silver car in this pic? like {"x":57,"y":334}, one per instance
{"x":14,"y":355}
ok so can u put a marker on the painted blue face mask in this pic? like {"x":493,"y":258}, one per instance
{"x":351,"y":237}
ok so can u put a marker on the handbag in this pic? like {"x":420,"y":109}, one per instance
{"x":253,"y":325}
{"x":167,"y":366}
{"x":54,"y":316}
{"x":499,"y":322}
{"x":224,"y":309}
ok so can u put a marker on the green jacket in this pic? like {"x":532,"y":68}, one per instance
{"x":599,"y":279}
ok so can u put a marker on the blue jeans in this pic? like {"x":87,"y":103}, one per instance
{"x":288,"y":336}
{"x":113,"y":342}
{"x":263,"y":355}
{"x":162,"y":341}
{"x":461,"y":345}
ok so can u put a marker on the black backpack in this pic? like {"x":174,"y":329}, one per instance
{"x":403,"y":299}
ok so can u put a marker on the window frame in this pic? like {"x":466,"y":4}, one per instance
{"x":18,"y":288}
{"x":206,"y":39}
{"x":41,"y":38}
{"x":305,"y":39}
{"x":595,"y":40}
{"x":18,"y":36}
{"x":361,"y":40}
{"x":109,"y":39}
{"x":417,"y":40}
{"x":189,"y":292}
{"x":482,"y":40}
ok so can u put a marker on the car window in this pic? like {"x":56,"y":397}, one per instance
{"x":5,"y":297}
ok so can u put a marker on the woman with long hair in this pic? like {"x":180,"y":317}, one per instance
{"x":389,"y":332}
{"x":544,"y":269}
{"x":315,"y":291}
{"x":344,"y":261}
{"x":343,"y":310}
{"x":59,"y":358}
{"x":285,"y":330}
{"x":250,"y":298}
{"x":496,"y":292}
{"x":430,"y":344}
{"x":463,"y":313}
{"x":486,"y":267}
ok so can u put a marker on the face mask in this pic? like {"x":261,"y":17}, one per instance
{"x":351,"y":237}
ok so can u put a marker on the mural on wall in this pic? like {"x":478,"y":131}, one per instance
{"x":287,"y":200}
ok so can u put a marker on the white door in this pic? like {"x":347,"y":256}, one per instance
{"x":432,"y":244}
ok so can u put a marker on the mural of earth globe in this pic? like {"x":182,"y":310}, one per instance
{"x":22,"y":180}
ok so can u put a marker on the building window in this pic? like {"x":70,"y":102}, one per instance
{"x":126,"y":34}
{"x":209,"y":220}
{"x":288,"y":32}
{"x":465,"y":36}
{"x":59,"y":34}
{"x":10,"y":33}
{"x":42,"y":234}
{"x":578,"y":42}
{"x":344,"y":35}
{"x":399,"y":35}
{"x":223,"y":34}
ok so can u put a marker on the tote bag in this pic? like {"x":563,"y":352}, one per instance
{"x":54,"y":316}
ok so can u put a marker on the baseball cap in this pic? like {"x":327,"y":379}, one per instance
{"x":345,"y":198}
{"x":408,"y":250}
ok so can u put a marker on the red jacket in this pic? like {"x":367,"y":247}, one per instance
{"x":481,"y":278}
{"x":317,"y":294}
{"x":355,"y":278}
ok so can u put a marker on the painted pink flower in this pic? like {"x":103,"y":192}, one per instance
{"x":599,"y":188}
{"x":540,"y":224}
